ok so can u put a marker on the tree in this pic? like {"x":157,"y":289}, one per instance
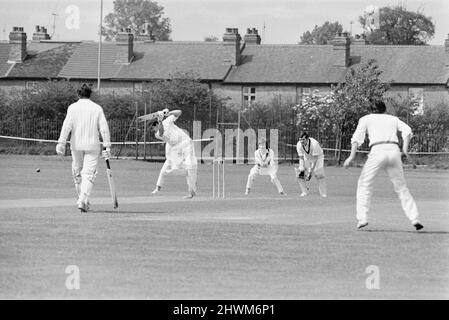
{"x":398,"y":26}
{"x":321,"y":34}
{"x":341,"y":109}
{"x":138,"y":15}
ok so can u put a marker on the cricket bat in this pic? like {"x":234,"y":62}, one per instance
{"x":150,"y":116}
{"x":111,"y":184}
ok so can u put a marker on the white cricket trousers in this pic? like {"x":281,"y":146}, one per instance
{"x":318,"y":172}
{"x":180,"y":159}
{"x":270,"y":171}
{"x":84,"y":171}
{"x":388,"y":158}
{"x":190,"y":174}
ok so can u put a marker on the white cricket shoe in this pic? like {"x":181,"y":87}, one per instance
{"x":282,"y":193}
{"x":156,"y":190}
{"x":324,"y":195}
{"x":190,"y":195}
{"x":82,"y":206}
{"x":247,"y":192}
{"x":303,"y":194}
{"x":361,"y":224}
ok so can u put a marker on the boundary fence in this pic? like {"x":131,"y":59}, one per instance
{"x":424,"y":145}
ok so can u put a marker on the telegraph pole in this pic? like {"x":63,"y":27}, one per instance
{"x":99,"y":49}
{"x":54,"y":25}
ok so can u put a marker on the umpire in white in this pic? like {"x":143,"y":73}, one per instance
{"x":85,"y":121}
{"x":384,"y":154}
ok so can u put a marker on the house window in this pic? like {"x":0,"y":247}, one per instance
{"x":138,"y":87}
{"x":305,"y":93}
{"x":416,"y":95}
{"x":249,"y":95}
{"x":31,"y":85}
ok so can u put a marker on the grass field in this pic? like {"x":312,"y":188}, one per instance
{"x":258,"y":247}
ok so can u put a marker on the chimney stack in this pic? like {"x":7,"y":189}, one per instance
{"x":341,"y":49}
{"x":231,"y":41}
{"x":18,"y":45}
{"x":252,"y":37}
{"x":359,"y":40}
{"x":145,"y":34}
{"x":125,"y":38}
{"x":446,"y":51}
{"x":40,"y":34}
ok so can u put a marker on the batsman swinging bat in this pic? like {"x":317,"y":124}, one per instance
{"x":111,"y":184}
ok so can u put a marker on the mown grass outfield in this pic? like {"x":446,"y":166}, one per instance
{"x":258,"y":247}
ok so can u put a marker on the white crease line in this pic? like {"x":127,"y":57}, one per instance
{"x":69,"y":202}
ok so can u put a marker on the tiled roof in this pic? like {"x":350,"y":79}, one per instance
{"x":83,"y":63}
{"x":406,"y":64}
{"x":286,"y":64}
{"x":275,"y":64}
{"x":44,"y":60}
{"x":162,"y":60}
{"x":314,"y":64}
{"x":4,"y":54}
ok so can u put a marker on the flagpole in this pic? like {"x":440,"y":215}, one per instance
{"x":99,"y":49}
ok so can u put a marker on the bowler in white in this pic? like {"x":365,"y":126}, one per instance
{"x":384,"y":155}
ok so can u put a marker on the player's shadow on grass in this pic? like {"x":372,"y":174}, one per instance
{"x":409,"y":231}
{"x":126,"y":212}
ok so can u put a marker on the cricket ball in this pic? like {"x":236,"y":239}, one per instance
{"x":38,"y":170}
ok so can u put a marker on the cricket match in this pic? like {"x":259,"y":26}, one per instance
{"x":224,"y":155}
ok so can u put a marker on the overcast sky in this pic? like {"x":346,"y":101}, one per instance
{"x":193,"y":20}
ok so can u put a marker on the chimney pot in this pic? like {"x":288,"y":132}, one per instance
{"x":18,"y":43}
{"x":341,"y":50}
{"x":231,"y":41}
{"x":40,"y":34}
{"x":125,"y":39}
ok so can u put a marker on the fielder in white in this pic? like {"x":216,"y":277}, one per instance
{"x":265,"y":165}
{"x":85,"y":121}
{"x":311,"y":163}
{"x":179,"y":151}
{"x":384,"y":154}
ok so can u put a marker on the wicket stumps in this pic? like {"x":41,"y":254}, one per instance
{"x":217,"y":171}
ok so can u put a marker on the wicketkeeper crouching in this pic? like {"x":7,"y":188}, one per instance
{"x":311,"y":163}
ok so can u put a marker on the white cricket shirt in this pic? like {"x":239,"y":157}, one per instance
{"x":264,"y":158}
{"x":173,"y":135}
{"x":380,"y":128}
{"x":85,"y":120}
{"x":314,"y":149}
